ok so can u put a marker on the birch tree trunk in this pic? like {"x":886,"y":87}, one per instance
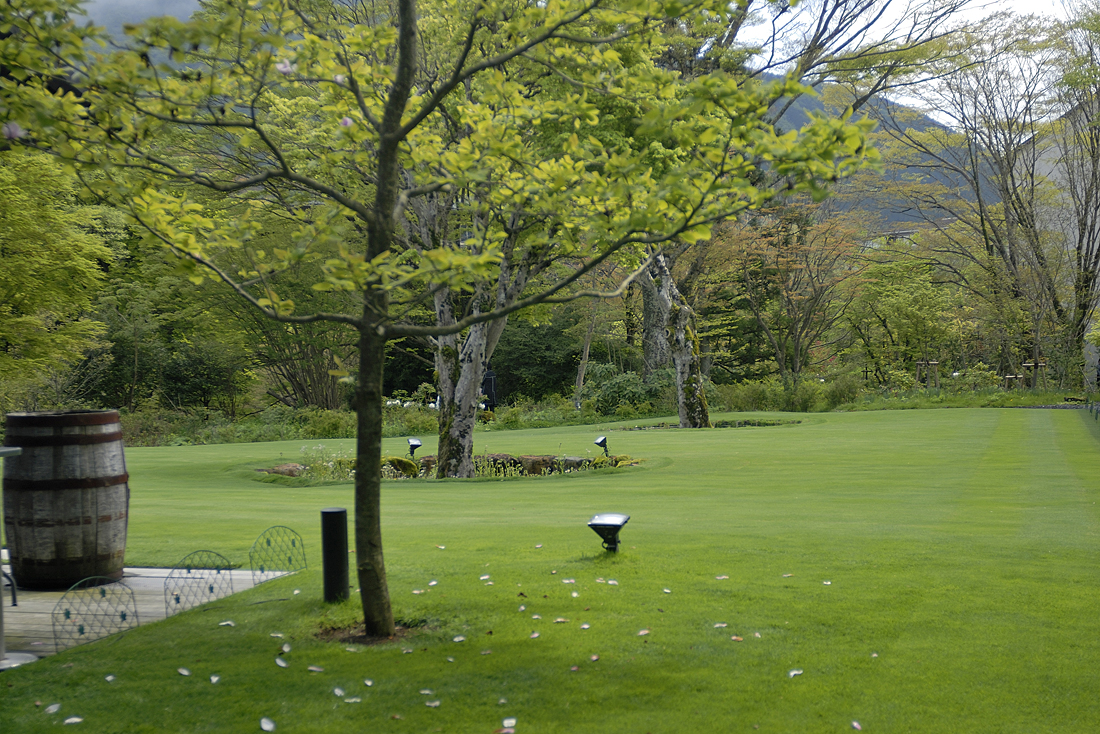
{"x":683,"y":344}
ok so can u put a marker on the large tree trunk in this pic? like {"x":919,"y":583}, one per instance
{"x":683,"y":343}
{"x":373,"y":591}
{"x":656,"y":352}
{"x":461,"y":365}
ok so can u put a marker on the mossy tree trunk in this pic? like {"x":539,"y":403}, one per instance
{"x":683,"y":344}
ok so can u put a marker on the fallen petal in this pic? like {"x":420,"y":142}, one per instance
{"x":613,"y":582}
{"x":267,"y":724}
{"x":486,"y":652}
{"x":339,"y":692}
{"x":827,"y":583}
{"x":485,"y":577}
{"x":488,"y":583}
{"x":286,"y":647}
{"x":215,"y":678}
{"x":73,"y":720}
{"x":575,"y":668}
{"x":352,"y":700}
{"x":720,"y":624}
{"x":183,"y":671}
{"x":450,"y":660}
{"x":276,"y":634}
{"x":559,"y":620}
{"x":396,"y":716}
{"x":432,"y":583}
{"x":539,"y":545}
{"x":793,"y":673}
{"x":755,"y":634}
{"x":406,"y":651}
{"x":787,"y":575}
{"x":585,"y":626}
{"x":601,"y":580}
{"x":441,"y":547}
{"x":721,"y":578}
{"x":281,"y":663}
{"x":510,"y":721}
{"x":368,"y":682}
{"x":418,"y":591}
{"x":642,"y":633}
{"x":297,"y":592}
{"x":522,"y":608}
{"x":667,"y":591}
{"x":502,"y":701}
{"x":569,"y":581}
{"x":432,"y":704}
{"x":594,"y":658}
{"x":575,"y":595}
{"x":535,"y":616}
{"x":856,"y":726}
{"x":53,"y":708}
{"x":735,"y":638}
{"x":460,"y":638}
{"x":110,"y":679}
{"x":315,"y":669}
{"x":227,"y":623}
{"x":534,"y":635}
{"x":425,"y":692}
{"x":874,"y":654}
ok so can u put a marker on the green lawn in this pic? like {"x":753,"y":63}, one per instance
{"x":961,"y":548}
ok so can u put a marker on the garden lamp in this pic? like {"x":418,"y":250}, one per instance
{"x":414,"y":444}
{"x":607,"y":526}
{"x":602,"y":443}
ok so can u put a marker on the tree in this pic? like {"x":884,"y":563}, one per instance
{"x":319,"y":110}
{"x":52,"y":267}
{"x":790,"y":263}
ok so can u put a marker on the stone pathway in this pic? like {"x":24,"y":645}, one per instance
{"x":28,"y":627}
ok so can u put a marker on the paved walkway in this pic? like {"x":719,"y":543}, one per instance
{"x":28,"y":627}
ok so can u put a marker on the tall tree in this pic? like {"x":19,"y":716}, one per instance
{"x":318,"y":109}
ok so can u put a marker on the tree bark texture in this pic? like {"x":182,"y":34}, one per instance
{"x":683,"y":344}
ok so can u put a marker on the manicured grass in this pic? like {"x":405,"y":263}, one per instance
{"x":960,"y":546}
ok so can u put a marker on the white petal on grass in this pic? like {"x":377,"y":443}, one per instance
{"x":720,"y":624}
{"x":215,"y":678}
{"x":459,"y":638}
{"x":338,"y":692}
{"x":432,"y":583}
{"x":560,"y":620}
{"x":594,"y":658}
{"x":450,"y":660}
{"x":426,"y":691}
{"x":612,"y":582}
{"x":642,"y":633}
{"x":510,"y":721}
{"x":488,"y":583}
{"x":297,"y":592}
{"x":418,"y":591}
{"x":522,"y":608}
{"x":667,"y":591}
{"x":755,"y":634}
{"x":353,"y":699}
{"x":315,"y":669}
{"x":856,"y":726}
{"x":351,"y":649}
{"x":286,"y":647}
{"x":787,"y":575}
{"x":74,"y":720}
{"x":534,"y":635}
{"x":441,"y":547}
{"x":575,"y":595}
{"x":569,"y":581}
{"x":536,"y":616}
{"x":874,"y":654}
{"x":267,"y":724}
{"x":277,"y":634}
{"x":227,"y":623}
{"x":601,"y":580}
{"x":406,"y":651}
{"x":432,"y":704}
{"x":484,"y":578}
{"x":721,"y":578}
{"x":502,"y":701}
{"x":486,"y":652}
{"x":794,"y":672}
{"x":585,"y":626}
{"x":827,"y":583}
{"x":368,"y":682}
{"x":281,"y":663}
{"x":110,"y":679}
{"x":539,"y":545}
{"x":53,"y":708}
{"x":183,"y":671}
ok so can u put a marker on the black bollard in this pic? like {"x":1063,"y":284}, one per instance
{"x":334,"y":553}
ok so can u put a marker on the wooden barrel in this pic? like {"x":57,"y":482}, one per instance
{"x":66,"y":498}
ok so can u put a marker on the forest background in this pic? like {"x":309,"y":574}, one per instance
{"x":960,"y":271}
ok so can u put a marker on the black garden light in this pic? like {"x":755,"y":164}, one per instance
{"x":607,"y":526}
{"x":602,"y":443}
{"x":414,"y":444}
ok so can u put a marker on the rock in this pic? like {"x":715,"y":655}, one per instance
{"x":535,"y":465}
{"x":288,"y":470}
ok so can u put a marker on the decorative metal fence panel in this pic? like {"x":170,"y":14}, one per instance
{"x":277,"y":552}
{"x":200,"y":577}
{"x":92,"y":608}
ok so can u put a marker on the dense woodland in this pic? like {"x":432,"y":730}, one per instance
{"x":308,"y":209}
